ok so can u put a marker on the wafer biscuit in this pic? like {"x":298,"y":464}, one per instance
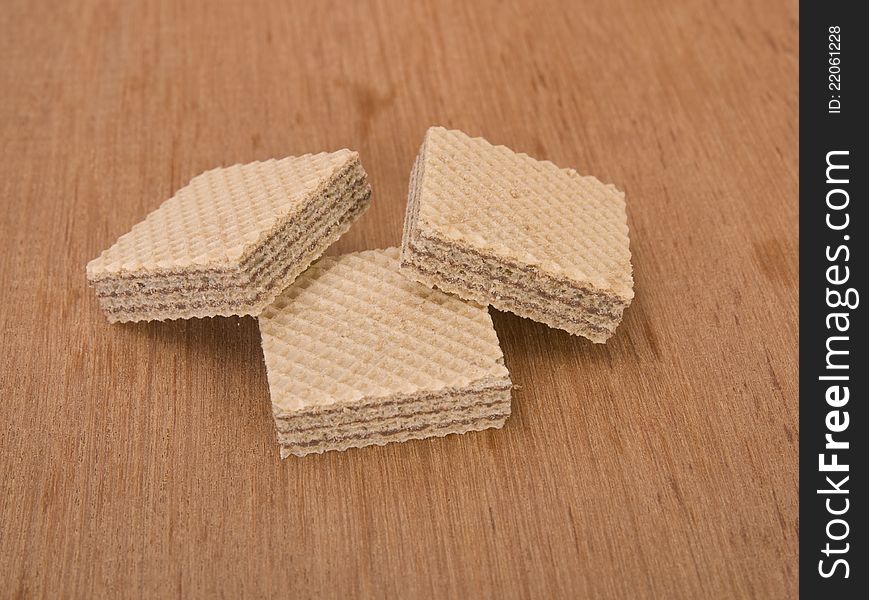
{"x":357,"y":354}
{"x":232,"y":239}
{"x":522,"y":235}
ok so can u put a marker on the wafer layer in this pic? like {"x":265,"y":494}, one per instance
{"x":232,"y":239}
{"x":522,"y":235}
{"x":357,"y":355}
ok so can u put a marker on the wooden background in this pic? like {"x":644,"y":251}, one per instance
{"x":140,"y":460}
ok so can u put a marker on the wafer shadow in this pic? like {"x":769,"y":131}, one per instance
{"x":525,"y":340}
{"x":544,"y":361}
{"x":215,"y":361}
{"x":225,"y":339}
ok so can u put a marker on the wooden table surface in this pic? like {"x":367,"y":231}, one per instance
{"x":140,"y":460}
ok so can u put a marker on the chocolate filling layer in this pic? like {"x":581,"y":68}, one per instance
{"x":412,"y":428}
{"x":381,"y":419}
{"x":529,"y":306}
{"x":534,"y":272}
{"x":531,"y":291}
{"x":328,"y":410}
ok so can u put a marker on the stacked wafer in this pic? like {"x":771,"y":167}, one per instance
{"x":232,"y":239}
{"x":523,"y":235}
{"x":382,"y":345}
{"x":358,"y":354}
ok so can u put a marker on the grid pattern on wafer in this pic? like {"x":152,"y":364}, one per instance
{"x":219,"y":216}
{"x":512,"y":206}
{"x":239,"y":291}
{"x":353,"y":328}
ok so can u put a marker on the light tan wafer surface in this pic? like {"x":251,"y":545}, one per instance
{"x":354,"y":328}
{"x":526,"y":211}
{"x":219,"y":216}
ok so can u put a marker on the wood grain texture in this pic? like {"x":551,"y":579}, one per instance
{"x":140,"y":461}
